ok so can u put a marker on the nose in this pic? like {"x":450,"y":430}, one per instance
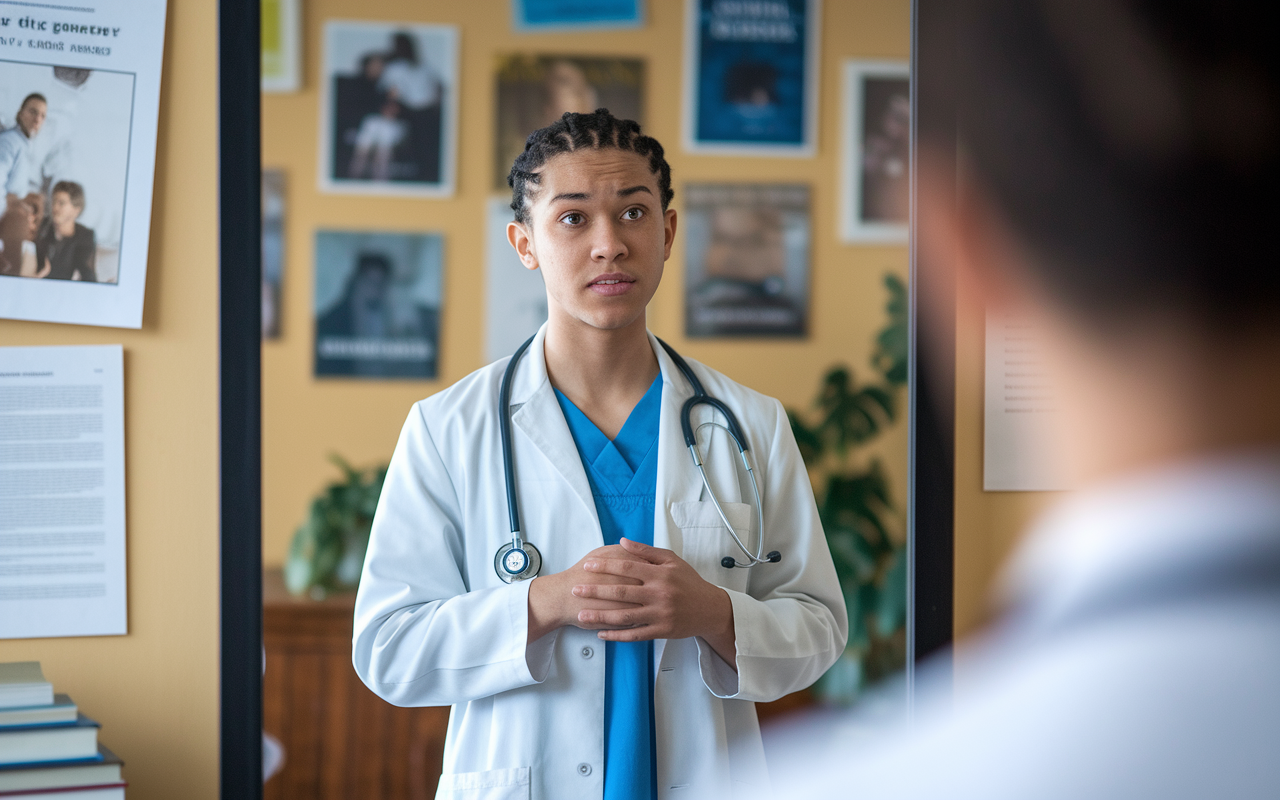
{"x":607,"y":244}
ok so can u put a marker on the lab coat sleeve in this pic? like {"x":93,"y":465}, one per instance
{"x":421,"y":637}
{"x":791,"y":624}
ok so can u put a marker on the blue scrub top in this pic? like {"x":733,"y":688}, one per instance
{"x":624,"y":482}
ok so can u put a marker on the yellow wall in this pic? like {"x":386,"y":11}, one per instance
{"x":305,"y":419}
{"x":155,"y":691}
{"x":987,"y":524}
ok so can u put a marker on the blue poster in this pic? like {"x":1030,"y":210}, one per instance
{"x":543,"y":14}
{"x":754,"y":82}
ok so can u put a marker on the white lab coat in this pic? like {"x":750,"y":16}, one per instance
{"x":434,"y":625}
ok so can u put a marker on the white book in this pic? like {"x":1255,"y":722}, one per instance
{"x":115,"y":792}
{"x":23,"y":684}
{"x":66,"y":775}
{"x":63,"y":712}
{"x":50,"y":743}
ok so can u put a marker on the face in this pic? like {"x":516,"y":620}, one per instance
{"x":62,"y":209}
{"x":598,"y":233}
{"x":31,"y":117}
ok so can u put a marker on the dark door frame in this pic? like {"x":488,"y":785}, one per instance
{"x":240,"y":397}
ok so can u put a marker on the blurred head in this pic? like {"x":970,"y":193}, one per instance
{"x":403,"y":48}
{"x":31,"y":114}
{"x":1119,"y":164}
{"x":371,"y":280}
{"x":67,"y":202}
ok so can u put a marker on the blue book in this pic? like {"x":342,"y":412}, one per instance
{"x":30,"y":744}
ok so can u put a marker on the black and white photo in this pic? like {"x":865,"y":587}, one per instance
{"x":876,"y":181}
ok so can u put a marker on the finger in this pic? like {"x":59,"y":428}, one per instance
{"x":654,"y":555}
{"x":625,"y":568}
{"x":617,"y":592}
{"x":642,"y":633}
{"x":596,"y":618}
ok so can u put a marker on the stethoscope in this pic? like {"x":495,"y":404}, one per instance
{"x":519,"y":560}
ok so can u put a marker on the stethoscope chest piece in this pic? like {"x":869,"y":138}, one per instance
{"x":517,"y":563}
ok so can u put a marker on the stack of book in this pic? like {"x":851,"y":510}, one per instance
{"x":48,"y":750}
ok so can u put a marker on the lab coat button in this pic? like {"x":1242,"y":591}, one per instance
{"x":584,"y":769}
{"x":587,"y":652}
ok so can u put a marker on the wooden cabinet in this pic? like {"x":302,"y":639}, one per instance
{"x":341,"y":741}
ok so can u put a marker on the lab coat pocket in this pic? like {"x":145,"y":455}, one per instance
{"x":707,"y":541}
{"x":492,"y":784}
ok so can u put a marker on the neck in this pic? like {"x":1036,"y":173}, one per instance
{"x":604,"y":372}
{"x":66,"y":228}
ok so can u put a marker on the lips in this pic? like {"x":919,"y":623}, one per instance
{"x":612,"y":284}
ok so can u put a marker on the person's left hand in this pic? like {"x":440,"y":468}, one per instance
{"x":672,"y":601}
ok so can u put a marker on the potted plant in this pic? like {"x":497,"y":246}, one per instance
{"x":327,"y":551}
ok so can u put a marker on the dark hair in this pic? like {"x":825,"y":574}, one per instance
{"x":368,"y":262}
{"x":403,"y":48}
{"x":1134,"y":148}
{"x":29,"y":98}
{"x":73,"y":190}
{"x":597,"y":130}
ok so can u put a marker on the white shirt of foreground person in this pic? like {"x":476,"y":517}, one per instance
{"x":1140,"y":657}
{"x":434,"y":625}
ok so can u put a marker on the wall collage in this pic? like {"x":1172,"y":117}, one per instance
{"x":389,"y":127}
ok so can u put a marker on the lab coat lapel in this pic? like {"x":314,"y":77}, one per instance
{"x":678,"y":479}
{"x":539,"y":416}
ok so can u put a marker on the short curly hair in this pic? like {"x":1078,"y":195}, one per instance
{"x":597,"y":130}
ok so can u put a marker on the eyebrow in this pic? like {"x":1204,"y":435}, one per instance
{"x":585,"y":196}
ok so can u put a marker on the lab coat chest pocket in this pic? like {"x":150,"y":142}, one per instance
{"x":707,"y":541}
{"x":493,"y":784}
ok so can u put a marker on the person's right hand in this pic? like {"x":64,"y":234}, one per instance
{"x":552,"y":603}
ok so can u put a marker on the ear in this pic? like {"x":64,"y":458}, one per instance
{"x":669,"y":233}
{"x":519,"y":237}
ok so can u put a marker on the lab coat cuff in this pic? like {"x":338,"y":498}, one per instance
{"x":717,"y":675}
{"x":537,"y":654}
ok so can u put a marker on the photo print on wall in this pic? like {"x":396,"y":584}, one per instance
{"x":272,"y":251}
{"x":550,"y":15}
{"x":751,"y":77}
{"x":532,"y":91}
{"x":875,"y":187}
{"x":389,"y":117}
{"x":78,"y":118}
{"x":746,"y":259}
{"x":377,"y":304}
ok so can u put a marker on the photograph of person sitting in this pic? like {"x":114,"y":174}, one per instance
{"x":65,"y":249}
{"x":22,"y":208}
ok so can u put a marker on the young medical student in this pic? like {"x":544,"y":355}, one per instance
{"x":629,"y":667}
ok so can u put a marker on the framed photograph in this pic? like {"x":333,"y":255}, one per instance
{"x":747,"y":259}
{"x":272,"y":251}
{"x":377,"y":304}
{"x":550,"y":15}
{"x":875,"y":187}
{"x":751,"y":77}
{"x":281,"y":46}
{"x":77,"y":160}
{"x":389,"y":112}
{"x":532,"y":91}
{"x":515,"y":297}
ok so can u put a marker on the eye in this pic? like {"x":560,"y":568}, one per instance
{"x":633,"y":213}
{"x":572,"y":218}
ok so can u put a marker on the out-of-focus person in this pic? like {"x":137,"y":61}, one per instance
{"x":65,"y":249}
{"x":1121,"y":164}
{"x":22,"y":208}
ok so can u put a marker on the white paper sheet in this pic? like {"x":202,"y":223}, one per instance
{"x":62,"y":554}
{"x":515,"y":297}
{"x":1021,"y":409}
{"x":98,"y":67}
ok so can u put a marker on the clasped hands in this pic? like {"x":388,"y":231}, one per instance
{"x":632,"y":592}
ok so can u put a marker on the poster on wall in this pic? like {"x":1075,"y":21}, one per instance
{"x":272,"y":251}
{"x":281,"y":48}
{"x":875,"y":187}
{"x":79,"y":99}
{"x":747,"y":259}
{"x":62,"y":492}
{"x":533,"y":91}
{"x":547,"y":15}
{"x":377,"y":304}
{"x":751,"y":77}
{"x":515,"y":297}
{"x":389,"y":109}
